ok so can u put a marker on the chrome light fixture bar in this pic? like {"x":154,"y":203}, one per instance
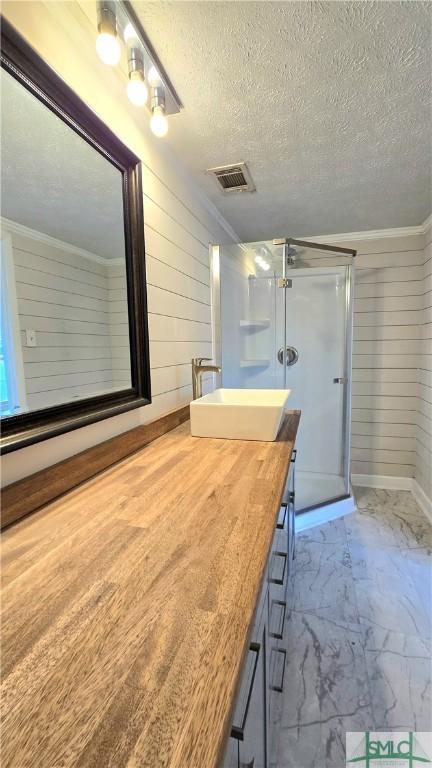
{"x":119,"y":24}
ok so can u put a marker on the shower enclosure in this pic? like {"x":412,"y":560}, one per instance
{"x":283,"y":319}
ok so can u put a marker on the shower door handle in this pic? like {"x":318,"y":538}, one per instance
{"x":340,"y":380}
{"x":291,"y":356}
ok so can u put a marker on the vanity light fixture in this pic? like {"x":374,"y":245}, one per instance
{"x":107,"y":42}
{"x":158,"y":122}
{"x":119,"y":24}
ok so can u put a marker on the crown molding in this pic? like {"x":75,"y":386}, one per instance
{"x":373,"y":234}
{"x":200,"y":195}
{"x":342,"y":237}
{"x":214,"y":211}
{"x":205,"y":201}
{"x":19,"y":229}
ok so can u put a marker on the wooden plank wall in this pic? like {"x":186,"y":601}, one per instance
{"x":387,"y":345}
{"x":423,"y":434}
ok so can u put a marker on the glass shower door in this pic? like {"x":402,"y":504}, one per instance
{"x":317,"y":334}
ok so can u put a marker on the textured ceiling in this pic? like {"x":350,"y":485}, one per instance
{"x":53,"y":181}
{"x":327,"y":102}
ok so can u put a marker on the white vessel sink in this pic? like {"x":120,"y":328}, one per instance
{"x":239,"y":414}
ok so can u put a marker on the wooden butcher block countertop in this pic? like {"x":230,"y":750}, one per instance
{"x":128,"y":602}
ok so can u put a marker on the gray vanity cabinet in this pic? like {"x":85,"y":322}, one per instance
{"x":256,"y":721}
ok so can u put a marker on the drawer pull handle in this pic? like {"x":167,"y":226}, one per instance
{"x":293,"y":538}
{"x":294,"y":456}
{"x":278,"y":580}
{"x":281,"y":523}
{"x":237,"y":731}
{"x":278,"y":685}
{"x":278,"y":635}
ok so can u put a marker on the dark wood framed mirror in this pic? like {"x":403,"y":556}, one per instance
{"x":74,"y":331}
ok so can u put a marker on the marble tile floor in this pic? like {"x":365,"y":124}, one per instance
{"x":359,"y":632}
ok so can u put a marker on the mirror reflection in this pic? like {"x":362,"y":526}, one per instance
{"x":64,"y":322}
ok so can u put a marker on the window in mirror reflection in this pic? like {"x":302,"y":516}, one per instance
{"x":64,"y":327}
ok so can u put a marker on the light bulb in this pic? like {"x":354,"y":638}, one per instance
{"x":158,"y":122}
{"x":137,"y":89}
{"x":129,"y":33}
{"x":108,"y":48}
{"x":266,"y":266}
{"x":258,"y":259}
{"x":153,"y":76}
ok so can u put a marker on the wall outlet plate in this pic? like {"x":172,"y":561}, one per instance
{"x":31,"y":338}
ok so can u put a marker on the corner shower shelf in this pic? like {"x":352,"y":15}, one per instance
{"x":264,"y":323}
{"x":260,"y":363}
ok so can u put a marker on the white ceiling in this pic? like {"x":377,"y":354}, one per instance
{"x":327,"y":102}
{"x":53,"y":181}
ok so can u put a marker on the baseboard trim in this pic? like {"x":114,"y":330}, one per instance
{"x":424,"y":502}
{"x":397,"y":484}
{"x":314,"y":517}
{"x":383,"y":481}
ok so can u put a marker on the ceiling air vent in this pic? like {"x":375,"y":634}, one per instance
{"x":233,"y":178}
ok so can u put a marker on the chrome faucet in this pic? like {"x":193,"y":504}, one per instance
{"x":197,"y":371}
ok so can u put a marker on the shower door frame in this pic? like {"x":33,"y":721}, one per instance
{"x":216,"y":288}
{"x":347,"y":374}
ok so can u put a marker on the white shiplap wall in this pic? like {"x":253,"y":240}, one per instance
{"x":64,"y":298}
{"x":387,"y":345}
{"x":118,"y":325}
{"x":179,"y":225}
{"x":423,"y":431}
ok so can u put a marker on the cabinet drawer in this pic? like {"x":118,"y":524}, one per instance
{"x":247,"y":745}
{"x":248,"y":742}
{"x":246,"y":739}
{"x":246,"y":692}
{"x":277,"y":615}
{"x":277,"y":669}
{"x":281,"y":524}
{"x":291,"y":532}
{"x":280,"y":539}
{"x":253,"y":747}
{"x":276,"y":679}
{"x":261,"y":612}
{"x":278,"y":568}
